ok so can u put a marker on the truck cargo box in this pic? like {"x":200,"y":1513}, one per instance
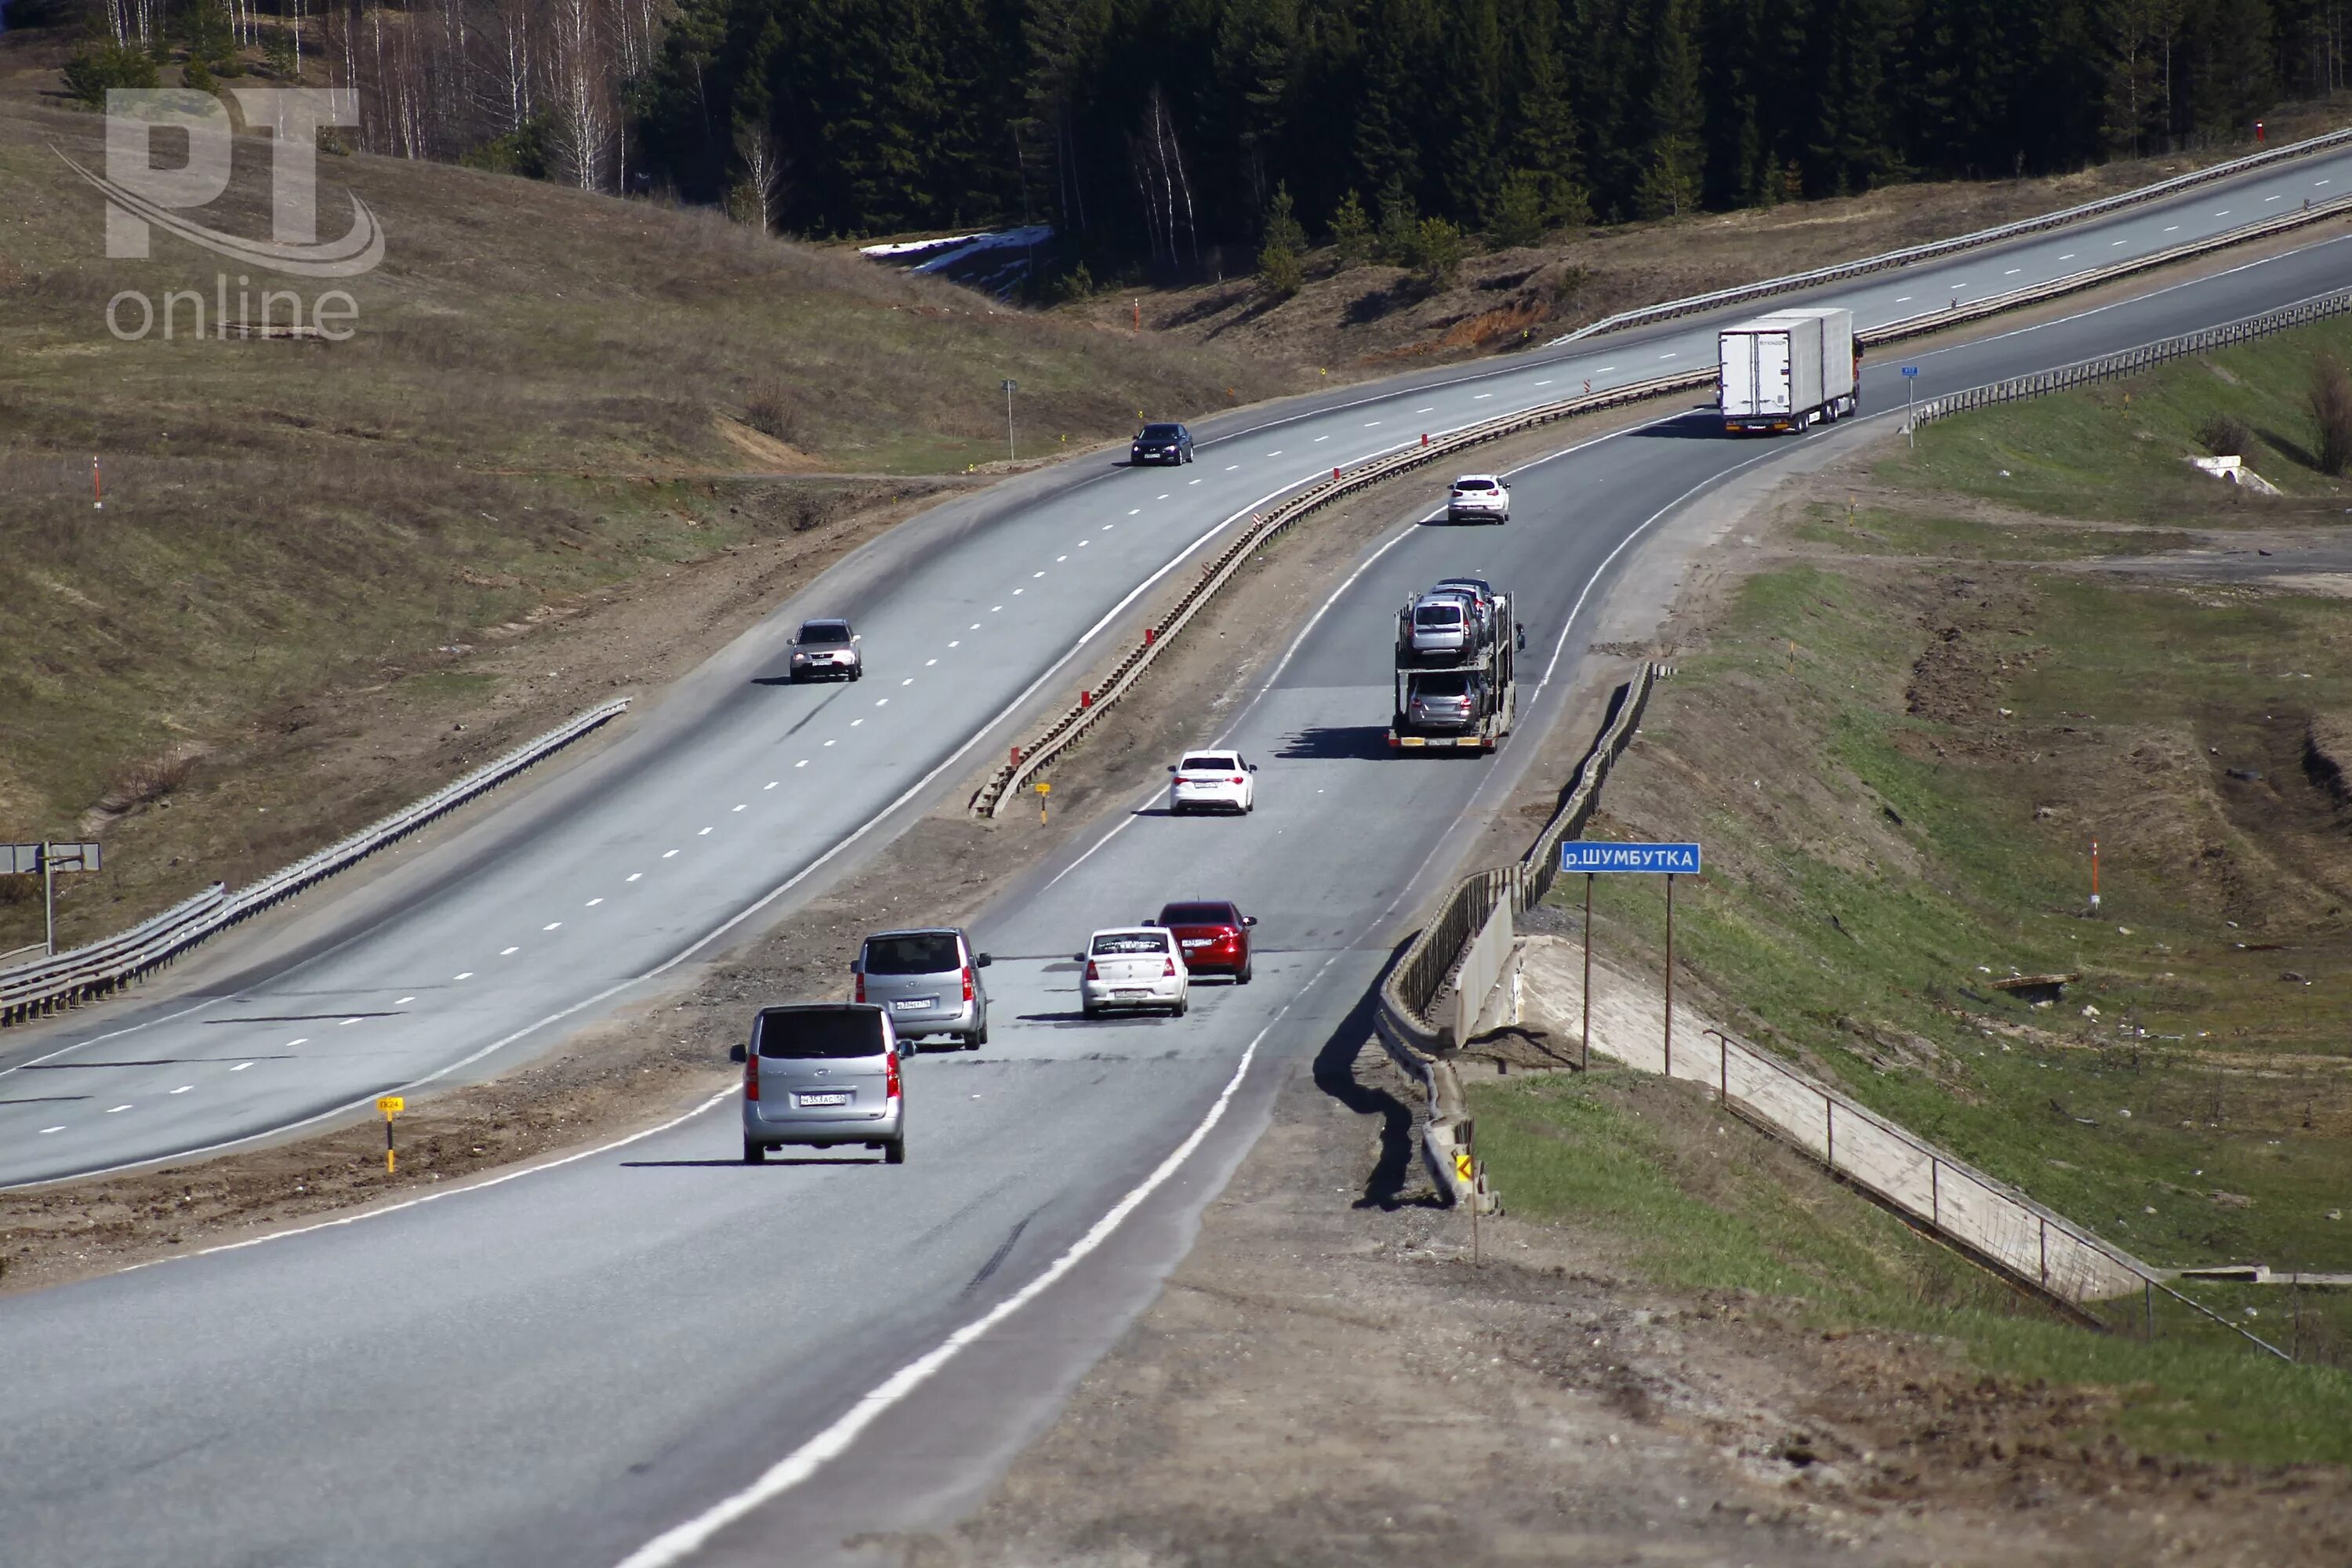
{"x":1785,"y":371}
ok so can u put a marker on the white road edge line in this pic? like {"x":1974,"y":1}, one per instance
{"x":682,"y":1541}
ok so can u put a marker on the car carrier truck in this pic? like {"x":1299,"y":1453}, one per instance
{"x":1788,"y":371}
{"x":1456,"y":654}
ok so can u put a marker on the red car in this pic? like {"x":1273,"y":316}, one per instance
{"x":1214,"y":937}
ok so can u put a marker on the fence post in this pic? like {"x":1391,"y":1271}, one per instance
{"x":1829,"y":1131}
{"x":1936,"y":1192}
{"x":2045,"y":1227}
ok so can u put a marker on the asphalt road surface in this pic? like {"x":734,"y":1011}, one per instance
{"x":560,"y":1367}
{"x":671,"y":840}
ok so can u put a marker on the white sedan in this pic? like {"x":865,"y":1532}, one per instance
{"x":1212,"y":781}
{"x":1478,"y":498}
{"x":1133,"y":966}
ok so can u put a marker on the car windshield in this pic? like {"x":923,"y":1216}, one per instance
{"x":1207,"y":762}
{"x":827,"y":1031}
{"x":1442,"y":685}
{"x":824,"y":631}
{"x":1198,"y":915}
{"x":1438,"y":615}
{"x":1161,"y":432}
{"x":1129,"y":942}
{"x":918,"y":952}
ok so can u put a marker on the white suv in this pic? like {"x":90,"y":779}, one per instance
{"x":1482,"y":496}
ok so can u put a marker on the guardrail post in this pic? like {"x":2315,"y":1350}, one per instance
{"x":1829,"y":1132}
{"x":1935,"y":1192}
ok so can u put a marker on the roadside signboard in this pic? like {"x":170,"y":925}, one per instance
{"x":44,"y":861}
{"x":1594,"y":858}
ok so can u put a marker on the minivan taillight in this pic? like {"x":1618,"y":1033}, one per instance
{"x":967,"y":983}
{"x":751,"y":1075}
{"x":890,"y":1077}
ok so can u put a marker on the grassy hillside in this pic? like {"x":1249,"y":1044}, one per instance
{"x":550,"y":398}
{"x":1899,"y":739}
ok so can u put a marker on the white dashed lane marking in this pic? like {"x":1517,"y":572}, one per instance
{"x":771,"y":785}
{"x":1032,"y":577}
{"x":118,"y":1108}
{"x":469,"y":973}
{"x":241,"y":1067}
{"x":593,"y":903}
{"x":632,"y":876}
{"x":348,"y":1022}
{"x":552,"y":925}
{"x":509,"y":953}
{"x":802,"y":764}
{"x":184,"y":1088}
{"x":404,"y":1001}
{"x":47,"y":1131}
{"x":672,"y":853}
{"x":704,"y":833}
{"x":738,"y":808}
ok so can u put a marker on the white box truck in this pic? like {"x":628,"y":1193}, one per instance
{"x":1788,"y":370}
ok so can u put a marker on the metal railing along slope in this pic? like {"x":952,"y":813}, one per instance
{"x":2130,"y":362}
{"x":104,"y":966}
{"x":1839,"y":272}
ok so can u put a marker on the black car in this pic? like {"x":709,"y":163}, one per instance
{"x":1161,"y":444}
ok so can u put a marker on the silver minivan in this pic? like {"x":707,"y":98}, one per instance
{"x":928,"y":981}
{"x":823,"y":1075}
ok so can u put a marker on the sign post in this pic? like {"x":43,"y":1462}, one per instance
{"x":1044,"y":789}
{"x":391,"y":1105}
{"x":1011,"y":386}
{"x":1911,"y":403}
{"x":1597,"y":857}
{"x":47,"y":861}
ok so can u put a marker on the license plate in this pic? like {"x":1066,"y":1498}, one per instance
{"x":1133,"y":991}
{"x":816,"y":1100}
{"x":912,"y":1003}
{"x":1199,"y":942}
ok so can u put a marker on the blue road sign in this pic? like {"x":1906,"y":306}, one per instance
{"x":1911,"y":370}
{"x":1658,"y":859}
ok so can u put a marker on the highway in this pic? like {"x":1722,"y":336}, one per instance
{"x":560,"y":1367}
{"x":678,"y":838}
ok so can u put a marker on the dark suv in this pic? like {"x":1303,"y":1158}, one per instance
{"x":1161,"y":444}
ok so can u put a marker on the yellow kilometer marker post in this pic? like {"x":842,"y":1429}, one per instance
{"x":391,"y":1105}
{"x":1044,"y":789}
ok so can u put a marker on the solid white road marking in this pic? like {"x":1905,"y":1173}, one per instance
{"x":681,"y":1542}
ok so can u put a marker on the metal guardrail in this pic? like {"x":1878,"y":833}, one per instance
{"x":1077,"y":719}
{"x":1540,"y":865}
{"x":991,"y":798}
{"x":2130,"y":362}
{"x":1692,"y":305}
{"x":1985,"y":1216}
{"x":104,"y":966}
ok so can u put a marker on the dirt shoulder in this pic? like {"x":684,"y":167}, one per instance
{"x":1326,"y":1379}
{"x":666,"y":1053}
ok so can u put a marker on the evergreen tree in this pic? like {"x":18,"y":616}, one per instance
{"x":1351,"y":232}
{"x":1669,"y":185}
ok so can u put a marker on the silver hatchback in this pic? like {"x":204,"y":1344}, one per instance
{"x":929,"y":982}
{"x":823,"y":1075}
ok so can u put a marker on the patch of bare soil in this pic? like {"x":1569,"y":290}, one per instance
{"x":660,"y":1057}
{"x":1370,"y":318}
{"x":1328,"y":1380}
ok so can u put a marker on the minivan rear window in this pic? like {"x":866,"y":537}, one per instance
{"x":824,"y":631}
{"x":1130,"y":942}
{"x":827,"y":1031}
{"x":1438,"y":615}
{"x":1443,"y":684}
{"x":922,"y":953}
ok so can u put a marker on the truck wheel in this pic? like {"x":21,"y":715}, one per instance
{"x":754,"y":1153}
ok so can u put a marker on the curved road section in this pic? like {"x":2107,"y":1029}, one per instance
{"x":685,"y":832}
{"x":652,"y":1353}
